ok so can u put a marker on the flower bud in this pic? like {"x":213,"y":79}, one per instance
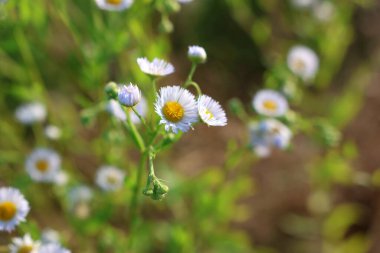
{"x":112,"y":90}
{"x":197,"y":54}
{"x":129,"y":95}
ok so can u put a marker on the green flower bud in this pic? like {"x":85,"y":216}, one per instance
{"x":112,"y":90}
{"x":166,"y":26}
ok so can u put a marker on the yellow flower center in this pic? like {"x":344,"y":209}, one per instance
{"x":173,"y":111}
{"x":209,"y":114}
{"x":114,"y":2}
{"x":42,"y":165}
{"x":7,"y":211}
{"x":270,"y":105}
{"x":299,"y":64}
{"x":25,"y":249}
{"x":111,"y":179}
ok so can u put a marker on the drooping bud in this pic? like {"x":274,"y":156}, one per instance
{"x":197,"y":54}
{"x":129,"y":95}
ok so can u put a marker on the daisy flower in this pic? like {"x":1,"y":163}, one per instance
{"x":129,"y":95}
{"x":115,"y":109}
{"x":197,"y":54}
{"x":211,"y":112}
{"x":184,"y":1}
{"x":24,"y":245}
{"x":79,"y":198}
{"x":270,"y":103}
{"x":30,"y":113}
{"x":53,"y":248}
{"x":303,"y":62}
{"x":114,"y":5}
{"x":52,"y":132}
{"x":177,"y":108}
{"x":269,"y":134}
{"x":49,"y":235}
{"x":43,"y":165}
{"x":110,"y":178}
{"x":303,"y":3}
{"x":157,"y":67}
{"x":323,"y":11}
{"x":13,"y":208}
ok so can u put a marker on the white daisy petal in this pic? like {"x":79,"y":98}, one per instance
{"x":177,"y":108}
{"x":115,"y":109}
{"x":30,"y":113}
{"x":110,"y":178}
{"x":13,"y":208}
{"x":129,"y":95}
{"x":114,"y":5}
{"x":53,"y":248}
{"x":24,"y":244}
{"x":303,"y":62}
{"x":270,"y":103}
{"x":157,"y":67}
{"x":211,"y":112}
{"x":43,"y":165}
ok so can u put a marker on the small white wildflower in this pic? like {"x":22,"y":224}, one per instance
{"x":61,"y":178}
{"x":53,"y":132}
{"x":129,"y":95}
{"x":24,"y":245}
{"x":43,"y":165}
{"x":115,"y":109}
{"x":270,"y":103}
{"x":323,"y":11}
{"x":303,"y":4}
{"x":269,"y":134}
{"x":49,"y":235}
{"x":184,"y":1}
{"x":53,"y":248}
{"x":79,"y":198}
{"x":13,"y":208}
{"x":157,"y":67}
{"x":303,"y":62}
{"x":197,"y":54}
{"x":31,"y":113}
{"x":110,"y":178}
{"x":211,"y":112}
{"x":177,"y":108}
{"x":114,"y":5}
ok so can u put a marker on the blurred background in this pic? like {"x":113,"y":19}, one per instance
{"x":315,"y":197}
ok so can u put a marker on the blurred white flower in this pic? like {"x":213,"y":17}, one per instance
{"x":141,"y":108}
{"x":303,"y":3}
{"x":197,"y":54}
{"x":30,"y":113}
{"x":323,"y":11}
{"x":270,"y":103}
{"x":177,"y":108}
{"x":109,"y":178}
{"x":129,"y":95}
{"x":53,"y":248}
{"x":157,"y":67}
{"x":13,"y":208}
{"x":211,"y":112}
{"x":115,"y":109}
{"x":61,"y":178}
{"x":53,"y":132}
{"x":79,"y":198}
{"x":49,"y":235}
{"x":24,"y":245}
{"x":114,"y":5}
{"x":43,"y":165}
{"x":303,"y":62}
{"x":184,"y":1}
{"x":269,"y":134}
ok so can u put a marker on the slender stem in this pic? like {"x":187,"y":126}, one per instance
{"x":135,"y":134}
{"x":154,"y":87}
{"x":196,"y":86}
{"x":140,"y":118}
{"x":191,"y":74}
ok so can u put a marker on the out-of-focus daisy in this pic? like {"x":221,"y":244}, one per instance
{"x":53,"y":248}
{"x":303,"y":62}
{"x":211,"y":112}
{"x":129,"y":95}
{"x":270,"y":103}
{"x":30,"y":113}
{"x":110,"y":178}
{"x":114,"y":5}
{"x":53,"y":132}
{"x":197,"y":54}
{"x":43,"y":165}
{"x":177,"y":108}
{"x":24,"y":245}
{"x":323,"y":11}
{"x":79,"y":198}
{"x":303,"y":3}
{"x":61,"y":178}
{"x":184,"y":1}
{"x":115,"y":109}
{"x":13,"y":208}
{"x":157,"y":67}
{"x":269,"y":134}
{"x":141,"y":108}
{"x":49,"y":235}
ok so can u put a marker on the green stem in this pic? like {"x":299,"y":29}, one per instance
{"x":191,"y":74}
{"x":154,"y":87}
{"x":140,"y":118}
{"x":135,"y":134}
{"x":196,"y":86}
